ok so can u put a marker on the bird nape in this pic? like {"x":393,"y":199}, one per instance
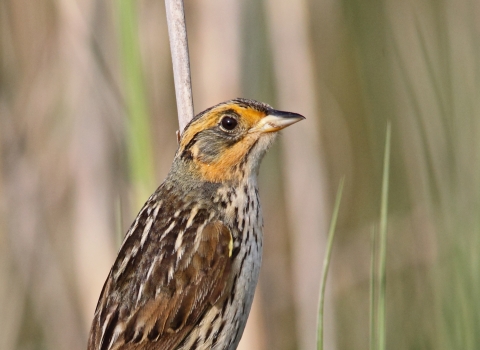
{"x":188,"y":266}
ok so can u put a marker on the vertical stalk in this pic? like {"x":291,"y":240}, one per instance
{"x":373,"y":286}
{"x":383,"y":244}
{"x":326,"y":265}
{"x":177,"y":33}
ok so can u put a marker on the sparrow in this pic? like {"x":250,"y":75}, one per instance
{"x":186,"y":272}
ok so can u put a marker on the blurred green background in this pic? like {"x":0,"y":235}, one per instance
{"x":87,"y":131}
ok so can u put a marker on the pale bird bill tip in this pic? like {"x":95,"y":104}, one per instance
{"x":277,"y":120}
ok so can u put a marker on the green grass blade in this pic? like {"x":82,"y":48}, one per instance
{"x":373,"y":285}
{"x":381,"y":332}
{"x":139,"y":140}
{"x":326,"y":264}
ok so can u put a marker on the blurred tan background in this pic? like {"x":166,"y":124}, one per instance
{"x":87,"y":132}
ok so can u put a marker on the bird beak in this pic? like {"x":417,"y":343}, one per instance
{"x":277,"y":120}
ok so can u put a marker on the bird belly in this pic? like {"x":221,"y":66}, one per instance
{"x":222,"y":326}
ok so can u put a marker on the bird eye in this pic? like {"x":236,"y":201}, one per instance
{"x":229,"y":123}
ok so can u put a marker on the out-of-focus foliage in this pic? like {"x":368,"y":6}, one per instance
{"x":87,"y":130}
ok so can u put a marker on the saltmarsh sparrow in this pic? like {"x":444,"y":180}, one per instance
{"x":188,"y":266}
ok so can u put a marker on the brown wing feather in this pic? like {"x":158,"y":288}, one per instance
{"x":154,"y":296}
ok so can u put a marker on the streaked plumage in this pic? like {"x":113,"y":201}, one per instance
{"x":187,"y":269}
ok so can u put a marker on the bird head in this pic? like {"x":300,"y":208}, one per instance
{"x":226,"y":142}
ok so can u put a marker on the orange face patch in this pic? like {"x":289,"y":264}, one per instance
{"x":249,"y":115}
{"x":225,"y":168}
